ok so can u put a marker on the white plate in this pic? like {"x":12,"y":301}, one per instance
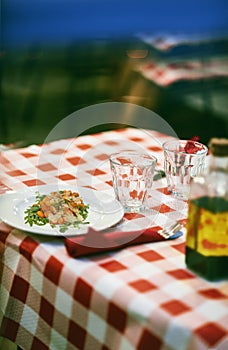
{"x":104,"y":210}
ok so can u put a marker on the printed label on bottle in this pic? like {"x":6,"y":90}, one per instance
{"x":207,"y":232}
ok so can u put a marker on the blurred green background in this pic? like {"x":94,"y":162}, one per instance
{"x":46,"y":78}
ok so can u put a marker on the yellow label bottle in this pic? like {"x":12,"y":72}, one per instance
{"x":207,"y":226}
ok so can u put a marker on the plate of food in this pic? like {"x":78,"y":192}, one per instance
{"x":60,"y":210}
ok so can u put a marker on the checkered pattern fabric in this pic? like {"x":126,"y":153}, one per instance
{"x":165,"y":73}
{"x":141,"y":297}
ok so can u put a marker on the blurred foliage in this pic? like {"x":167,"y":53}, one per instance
{"x":42,"y":85}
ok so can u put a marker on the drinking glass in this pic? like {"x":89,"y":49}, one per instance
{"x":132,"y":174}
{"x":183,"y":160}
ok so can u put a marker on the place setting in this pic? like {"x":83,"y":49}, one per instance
{"x":92,"y":221}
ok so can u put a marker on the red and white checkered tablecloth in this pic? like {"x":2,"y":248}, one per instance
{"x":165,"y":73}
{"x":141,"y":297}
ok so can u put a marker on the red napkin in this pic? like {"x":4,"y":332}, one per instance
{"x":98,"y":242}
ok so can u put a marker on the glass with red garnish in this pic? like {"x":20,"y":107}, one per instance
{"x":183,"y":160}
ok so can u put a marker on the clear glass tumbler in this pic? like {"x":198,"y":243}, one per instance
{"x":183,"y":160}
{"x":132,"y":174}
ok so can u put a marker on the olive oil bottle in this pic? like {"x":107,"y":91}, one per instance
{"x":207,"y":226}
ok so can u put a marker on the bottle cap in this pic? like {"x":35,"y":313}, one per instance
{"x":219,"y":147}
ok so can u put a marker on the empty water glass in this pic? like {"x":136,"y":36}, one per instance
{"x":132,"y":174}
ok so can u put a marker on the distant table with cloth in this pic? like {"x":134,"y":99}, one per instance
{"x":140,"y":297}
